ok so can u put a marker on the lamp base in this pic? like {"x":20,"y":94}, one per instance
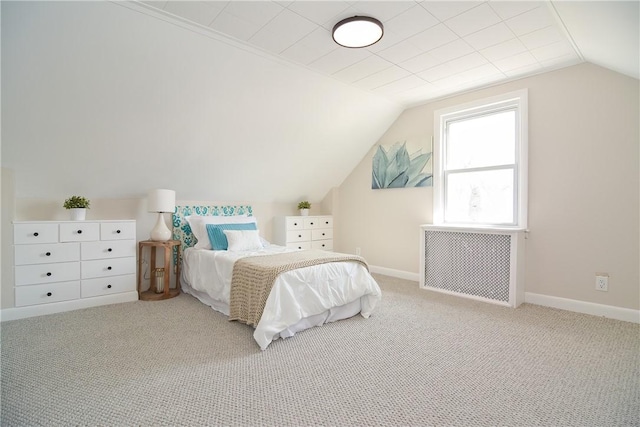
{"x":160,"y":232}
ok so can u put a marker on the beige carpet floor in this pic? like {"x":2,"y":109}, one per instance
{"x":423,"y":358}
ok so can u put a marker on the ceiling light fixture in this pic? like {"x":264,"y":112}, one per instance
{"x":358,"y":31}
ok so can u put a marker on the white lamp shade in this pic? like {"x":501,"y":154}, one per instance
{"x":161,"y":201}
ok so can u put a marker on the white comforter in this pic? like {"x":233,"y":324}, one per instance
{"x":296,"y":295}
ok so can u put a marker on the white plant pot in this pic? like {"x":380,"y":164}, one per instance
{"x":304,"y":212}
{"x":78,"y":214}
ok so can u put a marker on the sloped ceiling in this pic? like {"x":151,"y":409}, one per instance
{"x":252,"y":100}
{"x":430,"y":49}
{"x":606,"y":33}
{"x":102,"y":100}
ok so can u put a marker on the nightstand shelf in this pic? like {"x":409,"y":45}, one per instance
{"x":169,"y":292}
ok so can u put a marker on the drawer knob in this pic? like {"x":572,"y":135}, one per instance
{"x":108,"y":286}
{"x":49,"y":274}
{"x":299,"y":235}
{"x":49,"y":294}
{"x":35,"y":234}
{"x":79,"y":231}
{"x":48,"y":254}
{"x":311,"y":223}
{"x":118,"y":231}
{"x":323,"y":234}
{"x":323,"y":245}
{"x":299,"y":247}
{"x":109,"y":268}
{"x":295,"y":223}
{"x":326,"y":222}
{"x":109,"y":250}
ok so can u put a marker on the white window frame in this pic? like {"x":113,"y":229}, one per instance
{"x":517,"y":100}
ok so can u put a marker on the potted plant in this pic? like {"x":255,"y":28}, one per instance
{"x":78,"y":206}
{"x":304,"y":207}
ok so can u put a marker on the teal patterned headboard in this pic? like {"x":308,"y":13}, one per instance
{"x":181,"y":228}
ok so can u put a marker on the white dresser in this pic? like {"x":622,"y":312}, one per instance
{"x":304,"y":232}
{"x":65,"y":265}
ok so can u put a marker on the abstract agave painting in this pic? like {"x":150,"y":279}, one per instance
{"x":396,"y":167}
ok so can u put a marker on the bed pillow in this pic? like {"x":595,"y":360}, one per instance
{"x":217,"y":238}
{"x":198,"y":225}
{"x":243,"y":240}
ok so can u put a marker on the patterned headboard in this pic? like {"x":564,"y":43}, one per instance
{"x":181,"y":228}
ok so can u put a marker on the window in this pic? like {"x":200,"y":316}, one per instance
{"x":480,"y":163}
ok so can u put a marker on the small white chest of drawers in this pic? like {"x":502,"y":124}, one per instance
{"x":64,"y":265}
{"x":304,"y":232}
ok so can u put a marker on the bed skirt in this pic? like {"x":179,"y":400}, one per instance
{"x":332,"y":315}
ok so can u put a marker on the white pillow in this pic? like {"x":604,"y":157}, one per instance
{"x":198,"y":224}
{"x":243,"y":240}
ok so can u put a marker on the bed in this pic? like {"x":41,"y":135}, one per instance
{"x":311,"y":293}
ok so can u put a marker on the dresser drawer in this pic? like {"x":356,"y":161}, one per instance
{"x":107,"y":285}
{"x":108,"y":249}
{"x":49,"y":253}
{"x":318,"y":222}
{"x":299,"y":245}
{"x":47,"y":273}
{"x":35,"y":233}
{"x":322,"y":233}
{"x":325,"y":222}
{"x":327,"y":245}
{"x":118,"y":231}
{"x":298,"y":235}
{"x":42,"y":294}
{"x":108,"y":267}
{"x":293,"y":223}
{"x":79,"y":231}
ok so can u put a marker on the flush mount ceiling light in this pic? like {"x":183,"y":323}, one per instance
{"x":357,"y":31}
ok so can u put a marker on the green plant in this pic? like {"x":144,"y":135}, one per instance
{"x":304,"y":205}
{"x":76,"y":202}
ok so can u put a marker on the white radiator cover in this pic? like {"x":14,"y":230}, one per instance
{"x":477,"y":263}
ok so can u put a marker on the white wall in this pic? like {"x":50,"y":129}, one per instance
{"x":108,"y":102}
{"x":584,"y":124}
{"x":7,"y":203}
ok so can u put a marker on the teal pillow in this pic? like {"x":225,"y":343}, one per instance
{"x":219,"y":240}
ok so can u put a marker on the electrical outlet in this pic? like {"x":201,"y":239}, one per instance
{"x":602,"y":282}
{"x":357,"y":251}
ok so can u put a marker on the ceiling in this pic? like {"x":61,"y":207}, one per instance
{"x":430,"y":49}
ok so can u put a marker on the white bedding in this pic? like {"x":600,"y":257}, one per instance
{"x":299,"y":299}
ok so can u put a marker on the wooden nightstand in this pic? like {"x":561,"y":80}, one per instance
{"x":168,"y":246}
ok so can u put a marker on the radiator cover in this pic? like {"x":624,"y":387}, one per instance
{"x":474,"y":263}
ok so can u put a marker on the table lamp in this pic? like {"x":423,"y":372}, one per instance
{"x":161,"y":201}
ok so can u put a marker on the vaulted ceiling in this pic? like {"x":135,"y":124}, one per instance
{"x":430,"y":49}
{"x":252,"y":100}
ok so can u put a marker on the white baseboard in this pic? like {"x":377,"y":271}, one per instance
{"x":608,"y":311}
{"x":395,"y":273}
{"x":58,"y":307}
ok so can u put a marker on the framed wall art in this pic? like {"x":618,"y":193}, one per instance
{"x":402,"y":165}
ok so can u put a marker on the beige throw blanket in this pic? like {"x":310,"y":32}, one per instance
{"x":253,"y":279}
